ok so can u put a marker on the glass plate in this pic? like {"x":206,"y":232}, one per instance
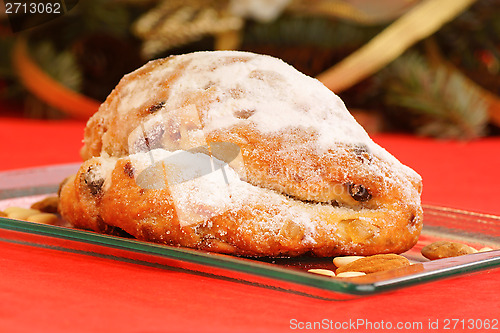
{"x":23,"y":187}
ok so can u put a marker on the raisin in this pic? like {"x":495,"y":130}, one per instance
{"x":156,"y":107}
{"x":414,"y":219}
{"x":243,"y":114}
{"x":362,"y":152}
{"x":359,"y":192}
{"x":129,"y":169}
{"x":94,"y":184}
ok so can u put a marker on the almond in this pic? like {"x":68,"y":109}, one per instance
{"x":375,"y":263}
{"x":47,"y":205}
{"x":445,"y":249}
{"x":19,"y":213}
{"x":485,"y":249}
{"x":44,"y":218}
{"x":321,"y":271}
{"x":342,"y":261}
{"x":350,"y":274}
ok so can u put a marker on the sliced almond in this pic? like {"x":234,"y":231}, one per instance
{"x":342,"y":261}
{"x":321,"y":271}
{"x":350,"y":274}
{"x":45,"y":218}
{"x":19,"y":213}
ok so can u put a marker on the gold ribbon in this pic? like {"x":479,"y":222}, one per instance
{"x":420,"y":22}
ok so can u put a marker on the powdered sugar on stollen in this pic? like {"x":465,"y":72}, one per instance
{"x":274,"y":96}
{"x":200,"y":185}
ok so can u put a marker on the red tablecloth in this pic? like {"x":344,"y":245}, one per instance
{"x":44,"y":290}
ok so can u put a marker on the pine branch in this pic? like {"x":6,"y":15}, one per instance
{"x":61,"y":66}
{"x":451,"y":106}
{"x":312,"y":31}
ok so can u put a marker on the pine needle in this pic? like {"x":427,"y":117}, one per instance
{"x":61,"y":66}
{"x":453,"y":107}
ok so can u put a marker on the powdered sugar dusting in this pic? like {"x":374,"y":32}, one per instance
{"x":274,"y":96}
{"x":202,"y":186}
{"x":280,"y":95}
